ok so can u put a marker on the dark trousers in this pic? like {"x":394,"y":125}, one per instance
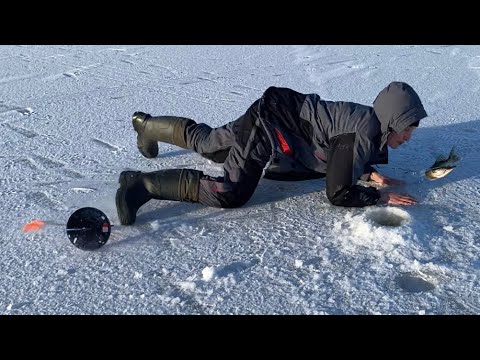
{"x":244,"y":149}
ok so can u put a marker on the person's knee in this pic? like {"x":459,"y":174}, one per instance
{"x":235,"y":202}
{"x":237,"y":197}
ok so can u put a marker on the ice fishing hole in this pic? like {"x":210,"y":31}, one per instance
{"x":414,"y":283}
{"x":389,"y":216}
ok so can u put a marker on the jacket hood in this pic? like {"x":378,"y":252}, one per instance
{"x":397,"y":107}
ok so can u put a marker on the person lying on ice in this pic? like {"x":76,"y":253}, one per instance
{"x":284,"y":135}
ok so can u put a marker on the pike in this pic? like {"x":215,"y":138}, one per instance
{"x":443,"y":165}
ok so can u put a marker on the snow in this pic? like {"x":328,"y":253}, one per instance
{"x":65,"y":116}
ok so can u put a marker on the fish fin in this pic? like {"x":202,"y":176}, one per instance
{"x":440,"y":158}
{"x":453,"y":157}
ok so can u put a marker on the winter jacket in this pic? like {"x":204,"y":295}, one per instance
{"x":314,"y":138}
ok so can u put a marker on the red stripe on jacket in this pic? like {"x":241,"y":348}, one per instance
{"x":283,"y":143}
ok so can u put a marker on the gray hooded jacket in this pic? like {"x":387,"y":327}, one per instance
{"x":312,"y":137}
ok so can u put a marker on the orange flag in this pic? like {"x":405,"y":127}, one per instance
{"x":33,"y":225}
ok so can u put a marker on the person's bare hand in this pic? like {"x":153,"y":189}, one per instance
{"x":385,"y":180}
{"x":392,"y":182}
{"x":397,"y":199}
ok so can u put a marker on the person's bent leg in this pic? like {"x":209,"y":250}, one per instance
{"x":212,"y":143}
{"x":243,"y":169}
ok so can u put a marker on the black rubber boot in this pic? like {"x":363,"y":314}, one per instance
{"x":137,"y":188}
{"x":150,"y":130}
